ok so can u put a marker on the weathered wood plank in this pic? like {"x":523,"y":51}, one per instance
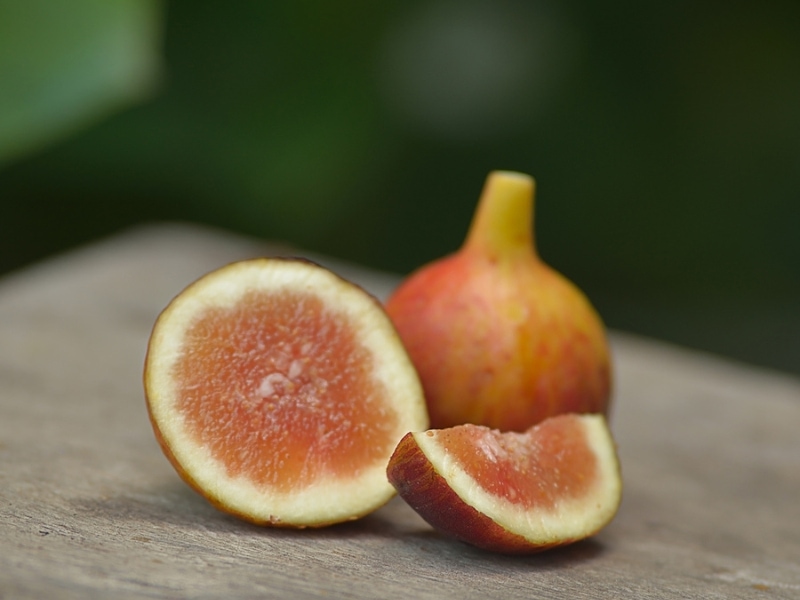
{"x":90,"y":508}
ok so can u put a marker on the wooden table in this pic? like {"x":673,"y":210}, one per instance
{"x":90,"y":508}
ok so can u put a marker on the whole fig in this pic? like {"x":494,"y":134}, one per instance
{"x":498,"y":337}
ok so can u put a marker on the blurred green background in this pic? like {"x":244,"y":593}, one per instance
{"x":664,"y":137}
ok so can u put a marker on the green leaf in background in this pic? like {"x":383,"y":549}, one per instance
{"x":64,"y":65}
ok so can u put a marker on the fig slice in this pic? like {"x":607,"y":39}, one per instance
{"x":278,"y":391}
{"x":556,"y":483}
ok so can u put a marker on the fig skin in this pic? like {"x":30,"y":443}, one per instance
{"x":498,"y":337}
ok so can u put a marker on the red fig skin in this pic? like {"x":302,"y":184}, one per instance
{"x":497,"y":336}
{"x":428,"y":493}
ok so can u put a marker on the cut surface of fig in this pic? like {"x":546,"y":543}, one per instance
{"x":279,"y":391}
{"x":554,"y":484}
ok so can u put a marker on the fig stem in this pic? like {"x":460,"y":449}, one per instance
{"x":502,"y":227}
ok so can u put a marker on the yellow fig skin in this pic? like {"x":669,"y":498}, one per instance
{"x":498,"y":337}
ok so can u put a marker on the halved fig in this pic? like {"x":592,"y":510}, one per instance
{"x":279,"y":391}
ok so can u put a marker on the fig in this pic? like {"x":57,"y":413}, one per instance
{"x":515,"y":493}
{"x":279,"y":391}
{"x":497,"y":336}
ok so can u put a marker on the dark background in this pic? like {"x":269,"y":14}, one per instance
{"x":664,"y":138}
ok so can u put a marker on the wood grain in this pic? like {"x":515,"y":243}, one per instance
{"x":89,"y":508}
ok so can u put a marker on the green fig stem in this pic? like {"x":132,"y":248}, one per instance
{"x":502,"y":227}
